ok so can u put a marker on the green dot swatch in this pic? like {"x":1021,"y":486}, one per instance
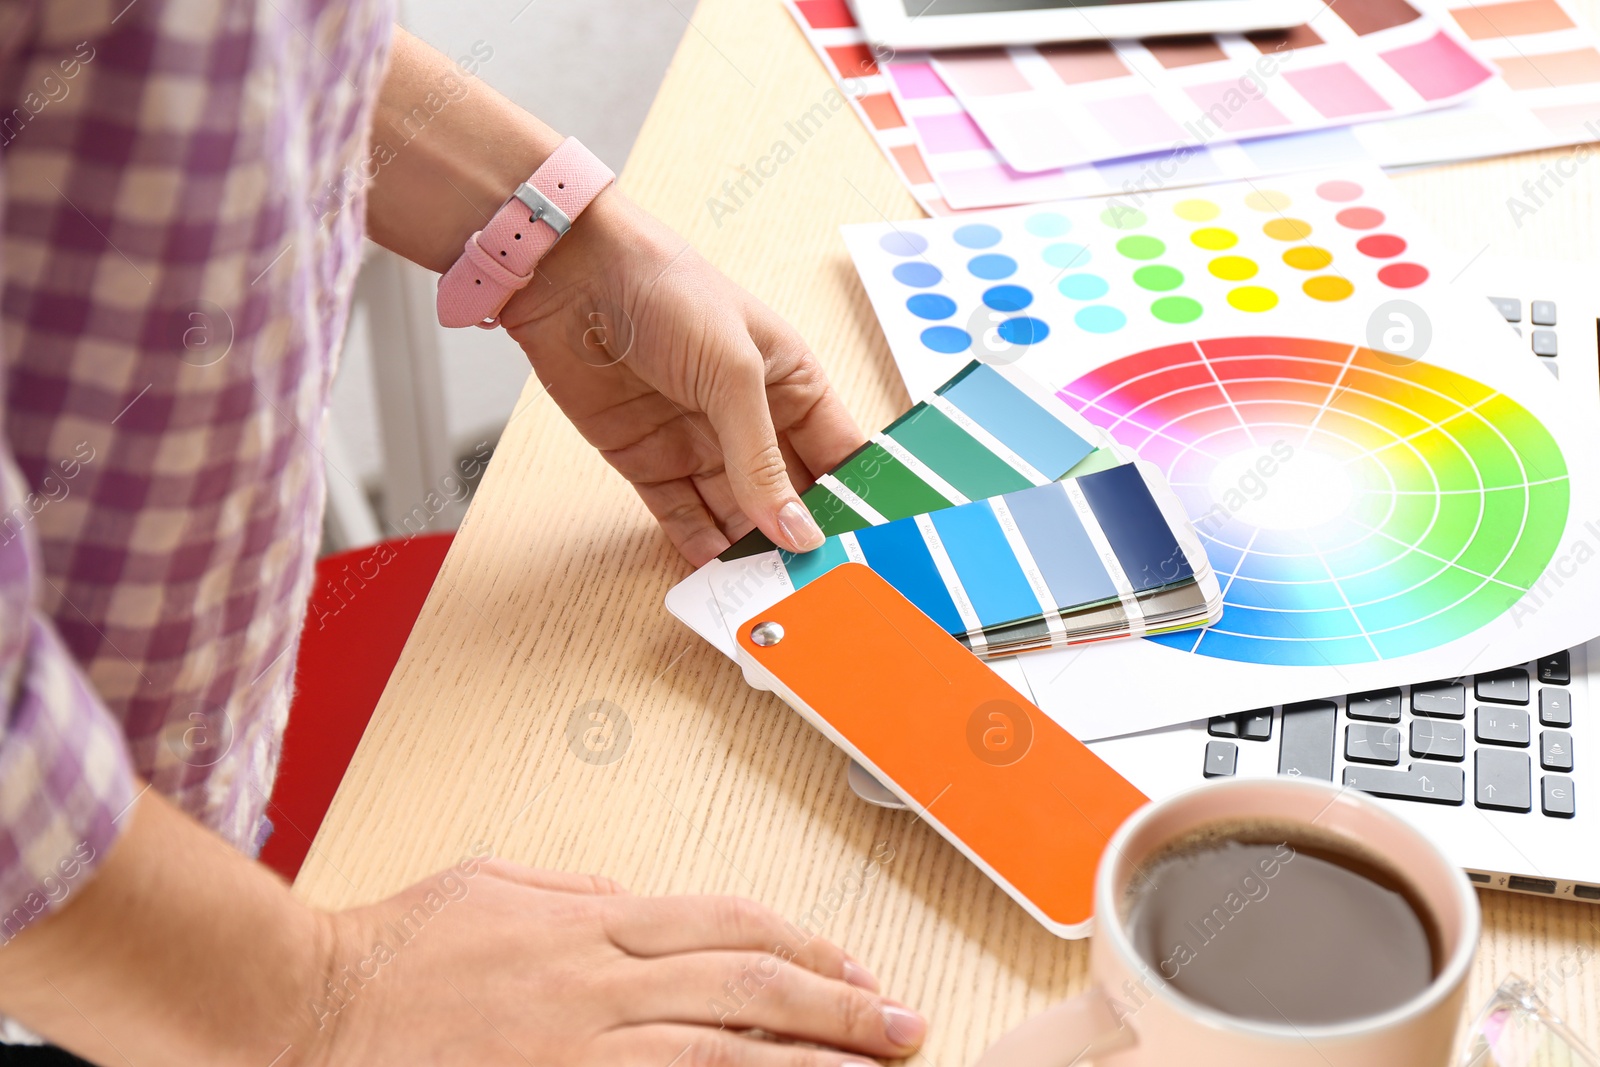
{"x":1158,"y":278}
{"x":1178,"y":309}
{"x":1139,"y":247}
{"x":1119,"y":217}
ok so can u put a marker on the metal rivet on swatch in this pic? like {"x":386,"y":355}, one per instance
{"x":766,"y":633}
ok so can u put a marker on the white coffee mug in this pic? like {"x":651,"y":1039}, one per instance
{"x":1133,"y":1018}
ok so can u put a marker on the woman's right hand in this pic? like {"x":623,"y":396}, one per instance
{"x":492,"y":963}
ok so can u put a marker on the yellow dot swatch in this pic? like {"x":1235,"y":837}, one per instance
{"x":1253,"y":298}
{"x":1287,"y":229}
{"x":1233,"y":268}
{"x":1213,"y":239}
{"x":1196,"y":210}
{"x":1308,"y":257}
{"x":1329,"y":287}
{"x":1268,"y":200}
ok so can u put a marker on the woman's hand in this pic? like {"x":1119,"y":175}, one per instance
{"x":710,"y":404}
{"x":508,"y":965}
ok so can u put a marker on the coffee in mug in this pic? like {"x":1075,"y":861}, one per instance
{"x":1275,"y":923}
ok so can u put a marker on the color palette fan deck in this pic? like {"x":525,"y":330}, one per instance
{"x":1083,"y":559}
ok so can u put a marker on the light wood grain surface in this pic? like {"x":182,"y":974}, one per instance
{"x":552,"y":598}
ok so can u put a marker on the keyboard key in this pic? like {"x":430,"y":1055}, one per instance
{"x":1223,"y":726}
{"x":1256,"y":725}
{"x":1438,"y":740}
{"x":1504,"y":780}
{"x":1250,"y":725}
{"x":1543,"y":312}
{"x":1509,"y":686}
{"x":1556,"y":669}
{"x":1368,"y":743}
{"x":1447,"y":699}
{"x":1380,"y":705}
{"x":1503,"y":726}
{"x":1430,"y":783}
{"x":1222,"y":759}
{"x":1555,"y":371}
{"x":1555,"y":707}
{"x":1510,"y":307}
{"x":1309,"y":733}
{"x":1557,"y":798}
{"x":1555,"y":750}
{"x":1544,"y":343}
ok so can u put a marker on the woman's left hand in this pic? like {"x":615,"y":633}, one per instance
{"x":702,"y":397}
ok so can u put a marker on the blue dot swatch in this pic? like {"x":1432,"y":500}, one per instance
{"x":1100,"y":318}
{"x":918,"y":274}
{"x":977,"y":235}
{"x":903,"y":244}
{"x":947,"y":339}
{"x":1023,"y":331}
{"x":1048,"y":224}
{"x":992,"y":266}
{"x":931,"y":306}
{"x":1066,"y":254}
{"x":1006,"y":298}
{"x":1083,"y":286}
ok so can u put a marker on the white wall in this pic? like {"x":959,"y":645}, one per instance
{"x":589,"y":68}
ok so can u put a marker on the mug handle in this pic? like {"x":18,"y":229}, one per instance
{"x":1072,"y":1032}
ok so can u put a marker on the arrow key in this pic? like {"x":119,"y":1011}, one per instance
{"x":1429,"y":783}
{"x":1555,"y":750}
{"x":1222,"y":759}
{"x":1504,"y":780}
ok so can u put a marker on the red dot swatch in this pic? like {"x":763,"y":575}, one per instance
{"x":1403,"y":275}
{"x":1340,"y":191}
{"x":1381,"y":245}
{"x":1360,"y":218}
{"x":827,"y":14}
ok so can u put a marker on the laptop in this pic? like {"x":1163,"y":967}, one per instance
{"x":1499,"y":769}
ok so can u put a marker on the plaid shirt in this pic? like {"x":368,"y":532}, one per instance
{"x":183,"y":218}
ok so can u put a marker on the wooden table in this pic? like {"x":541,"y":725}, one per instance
{"x":551,"y":598}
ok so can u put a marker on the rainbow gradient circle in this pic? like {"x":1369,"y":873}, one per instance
{"x":1356,"y":506}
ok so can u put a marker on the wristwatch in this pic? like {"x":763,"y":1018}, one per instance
{"x":500,"y":258}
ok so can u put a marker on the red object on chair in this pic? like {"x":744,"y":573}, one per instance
{"x":362,"y":607}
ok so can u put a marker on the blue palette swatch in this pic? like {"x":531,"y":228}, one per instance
{"x":960,"y":567}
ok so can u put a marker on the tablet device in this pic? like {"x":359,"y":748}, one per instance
{"x":913,"y":24}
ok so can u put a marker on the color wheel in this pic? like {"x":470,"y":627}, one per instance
{"x":1355,"y":505}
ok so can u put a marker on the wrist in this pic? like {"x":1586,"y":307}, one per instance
{"x":501,"y":258}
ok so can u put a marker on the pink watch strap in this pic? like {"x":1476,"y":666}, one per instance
{"x":500,"y":258}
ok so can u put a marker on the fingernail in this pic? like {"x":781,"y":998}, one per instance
{"x":903,"y":1026}
{"x":859,"y":976}
{"x":799,"y":527}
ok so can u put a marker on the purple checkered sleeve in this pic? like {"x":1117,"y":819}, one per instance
{"x":183,"y":211}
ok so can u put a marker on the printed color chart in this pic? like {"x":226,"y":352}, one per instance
{"x":1356,"y":506}
{"x":1055,"y":106}
{"x":1545,"y":93}
{"x":1374,"y":516}
{"x":1031,"y":280}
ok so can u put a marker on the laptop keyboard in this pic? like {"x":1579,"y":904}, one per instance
{"x":1501,"y":740}
{"x":1537,"y":327}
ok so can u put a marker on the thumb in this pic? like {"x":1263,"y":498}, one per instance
{"x":757,"y":471}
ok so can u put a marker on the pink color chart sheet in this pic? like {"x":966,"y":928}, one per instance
{"x":1050,"y":106}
